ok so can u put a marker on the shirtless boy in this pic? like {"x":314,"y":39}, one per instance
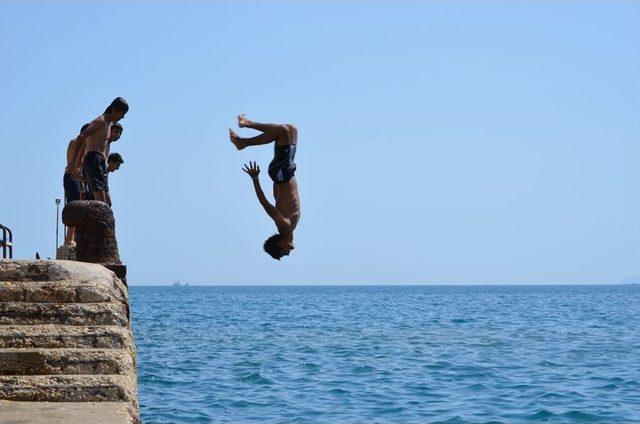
{"x":116,"y":133}
{"x":95,"y":143}
{"x":71,"y":183}
{"x":286,"y":212}
{"x":114,"y":161}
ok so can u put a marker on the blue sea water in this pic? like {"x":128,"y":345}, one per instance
{"x":384,"y":354}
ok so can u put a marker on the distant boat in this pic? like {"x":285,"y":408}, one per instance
{"x":631,"y":281}
{"x":176,"y":283}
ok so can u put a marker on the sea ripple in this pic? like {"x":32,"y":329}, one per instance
{"x":383,"y":354}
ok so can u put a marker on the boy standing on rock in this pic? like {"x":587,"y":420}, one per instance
{"x":71,"y":182}
{"x":113,"y":164}
{"x":95,"y":141}
{"x":286,"y":212}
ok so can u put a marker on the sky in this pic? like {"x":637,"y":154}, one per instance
{"x":439,"y":142}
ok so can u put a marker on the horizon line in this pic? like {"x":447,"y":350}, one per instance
{"x":373,"y":284}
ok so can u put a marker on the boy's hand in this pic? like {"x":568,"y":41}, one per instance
{"x":252,"y":169}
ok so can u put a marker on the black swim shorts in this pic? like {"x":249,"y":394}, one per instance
{"x":71,"y":188}
{"x":95,"y":172}
{"x":282,"y":168}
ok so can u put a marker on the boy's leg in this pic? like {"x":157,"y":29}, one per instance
{"x":71,"y":193}
{"x":243,"y":122}
{"x":270,"y":132}
{"x":100,"y":180}
{"x":241,"y":142}
{"x":71,"y":233}
{"x":285,"y":133}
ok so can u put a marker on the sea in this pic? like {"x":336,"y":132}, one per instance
{"x":388,"y":354}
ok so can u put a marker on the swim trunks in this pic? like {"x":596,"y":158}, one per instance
{"x":95,"y":172}
{"x":282,"y":168}
{"x":71,"y":188}
{"x":87,"y":195}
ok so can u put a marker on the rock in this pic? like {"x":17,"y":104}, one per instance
{"x":66,"y":252}
{"x":95,"y":231}
{"x":65,"y":291}
{"x":65,"y":361}
{"x":65,"y":337}
{"x":67,"y":388}
{"x":85,"y":314}
{"x":18,"y":270}
{"x":120,"y":270}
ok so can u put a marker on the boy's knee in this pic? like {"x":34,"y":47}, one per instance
{"x":290,"y":131}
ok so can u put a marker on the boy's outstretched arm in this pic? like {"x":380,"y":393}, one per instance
{"x":253,"y":170}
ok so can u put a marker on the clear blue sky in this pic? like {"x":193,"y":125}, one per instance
{"x":440,"y":142}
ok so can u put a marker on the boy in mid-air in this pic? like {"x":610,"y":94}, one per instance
{"x":286,"y":212}
{"x":96,"y":141}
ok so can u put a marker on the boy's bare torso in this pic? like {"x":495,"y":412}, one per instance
{"x":98,"y":141}
{"x":288,"y":200}
{"x":286,"y":194}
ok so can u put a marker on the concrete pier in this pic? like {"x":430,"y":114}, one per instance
{"x":67,"y":353}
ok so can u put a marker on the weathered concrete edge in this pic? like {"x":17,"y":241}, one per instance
{"x":66,"y":413}
{"x":49,"y":270}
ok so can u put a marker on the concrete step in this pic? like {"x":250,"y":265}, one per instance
{"x":66,"y":413}
{"x":65,"y":361}
{"x":67,"y":388}
{"x":16,"y":270}
{"x":65,"y":336}
{"x":63,"y":291}
{"x":86,"y":314}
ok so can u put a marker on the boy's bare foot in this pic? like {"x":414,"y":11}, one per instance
{"x":70,"y":243}
{"x":243,"y":121}
{"x":235,"y":139}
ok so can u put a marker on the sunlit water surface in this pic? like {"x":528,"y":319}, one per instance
{"x":382,"y":354}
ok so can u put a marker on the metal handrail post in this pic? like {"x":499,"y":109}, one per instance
{"x":6,"y":244}
{"x":10,"y":243}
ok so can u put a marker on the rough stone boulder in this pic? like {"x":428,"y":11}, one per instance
{"x":95,"y":231}
{"x":67,"y":253}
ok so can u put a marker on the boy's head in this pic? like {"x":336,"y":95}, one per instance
{"x":277,"y":246}
{"x":116,"y":132}
{"x":117,"y":109}
{"x":114,"y":161}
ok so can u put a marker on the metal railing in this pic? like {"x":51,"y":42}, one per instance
{"x":6,"y":242}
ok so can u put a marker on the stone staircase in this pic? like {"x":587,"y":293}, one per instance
{"x":66,"y":349}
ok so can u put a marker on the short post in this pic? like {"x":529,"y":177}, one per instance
{"x":95,"y":234}
{"x":57,"y":222}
